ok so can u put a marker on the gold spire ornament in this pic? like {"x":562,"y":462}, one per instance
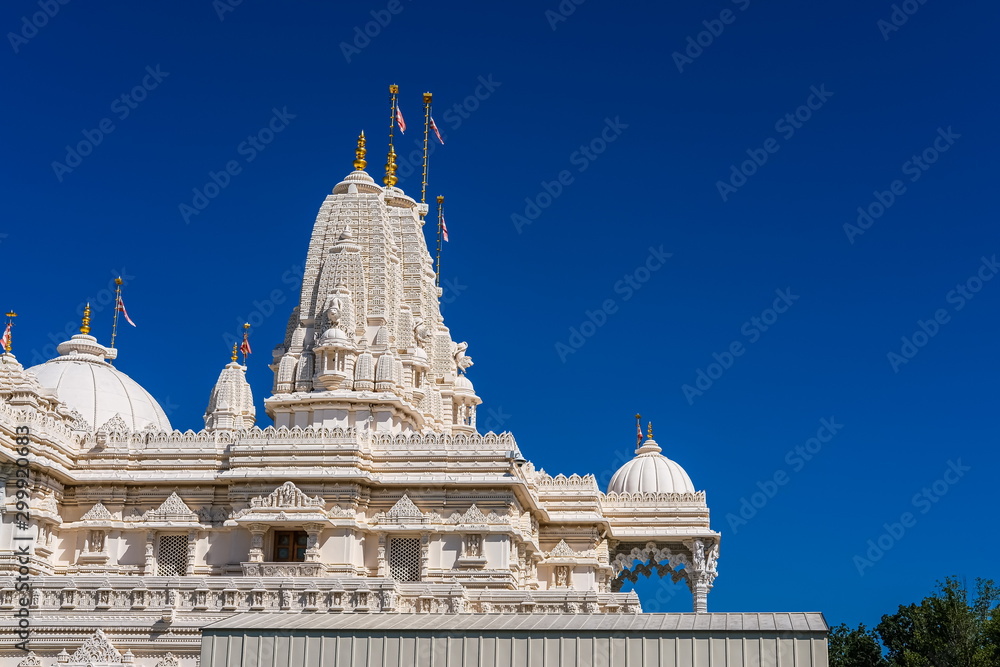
{"x":233,"y":357}
{"x":390,"y":164}
{"x":85,"y":326}
{"x":650,"y":430}
{"x":390,"y":168}
{"x":359,"y":155}
{"x":437,"y":271}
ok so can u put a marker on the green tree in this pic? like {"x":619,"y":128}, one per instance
{"x":855,"y":648}
{"x":945,"y":629}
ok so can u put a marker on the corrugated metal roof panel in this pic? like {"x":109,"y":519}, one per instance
{"x":533,"y":623}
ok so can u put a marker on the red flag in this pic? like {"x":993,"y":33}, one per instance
{"x":444,"y":228}
{"x":638,"y":434}
{"x":400,"y":121}
{"x":5,"y":341}
{"x":121,"y":309}
{"x":437,"y":134}
{"x":245,"y":347}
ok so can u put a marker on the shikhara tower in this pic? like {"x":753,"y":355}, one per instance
{"x":373,"y":492}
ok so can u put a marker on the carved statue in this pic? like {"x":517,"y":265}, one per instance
{"x":421,"y":332}
{"x":462,"y":361}
{"x":332,"y":312}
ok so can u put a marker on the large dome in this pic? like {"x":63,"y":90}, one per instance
{"x":650,"y":472}
{"x":85,"y":382}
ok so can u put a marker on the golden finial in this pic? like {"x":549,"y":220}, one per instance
{"x":390,"y":168}
{"x":440,"y":199}
{"x":359,"y":154}
{"x":85,"y":327}
{"x":234,"y":353}
{"x":427,"y":98}
{"x":649,"y":430}
{"x":393,"y":88}
{"x":118,"y":281}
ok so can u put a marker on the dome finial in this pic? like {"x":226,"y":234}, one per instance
{"x":650,"y":430}
{"x":359,"y":154}
{"x":390,"y":168}
{"x":85,"y":326}
{"x":233,"y":357}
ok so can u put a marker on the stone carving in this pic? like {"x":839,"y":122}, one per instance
{"x":172,"y":509}
{"x":97,"y":513}
{"x":116,"y":425}
{"x":472,"y":516}
{"x":562,"y":550}
{"x":169,"y":660}
{"x":462,"y":361}
{"x":77,"y":422}
{"x":283,"y":569}
{"x":30,"y":660}
{"x":286,"y":496}
{"x":404,"y":509}
{"x":338,"y":512}
{"x":332,"y":311}
{"x":96,"y":649}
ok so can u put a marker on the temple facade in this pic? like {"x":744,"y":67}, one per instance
{"x":372,"y":493}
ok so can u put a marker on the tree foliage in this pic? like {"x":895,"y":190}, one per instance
{"x":945,"y":629}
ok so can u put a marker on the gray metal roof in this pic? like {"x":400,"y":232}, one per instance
{"x":757,"y":622}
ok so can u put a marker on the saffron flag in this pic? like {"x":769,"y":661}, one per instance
{"x":121,"y":309}
{"x":5,"y":341}
{"x":245,"y":346}
{"x":437,"y":133}
{"x":444,"y":229}
{"x":400,"y":121}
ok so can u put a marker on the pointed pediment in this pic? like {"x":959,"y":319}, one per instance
{"x":172,"y":509}
{"x":96,"y":650}
{"x":562,"y":550}
{"x":405,"y":510}
{"x":97,"y":513}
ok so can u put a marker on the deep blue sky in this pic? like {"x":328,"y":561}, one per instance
{"x":514,"y":294}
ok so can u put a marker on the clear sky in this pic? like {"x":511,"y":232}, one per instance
{"x":640,"y":196}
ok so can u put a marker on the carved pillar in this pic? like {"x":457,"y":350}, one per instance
{"x":383,"y":566}
{"x":192,"y":544}
{"x":312,"y":542}
{"x":149,"y":567}
{"x":425,"y":555}
{"x":700,"y":594}
{"x":257,"y":531}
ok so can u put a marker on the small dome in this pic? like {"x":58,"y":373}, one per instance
{"x":650,"y":472}
{"x":463,"y":383}
{"x":85,"y":382}
{"x":335,"y":337}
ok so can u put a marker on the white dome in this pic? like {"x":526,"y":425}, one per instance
{"x":85,"y":382}
{"x":650,"y":472}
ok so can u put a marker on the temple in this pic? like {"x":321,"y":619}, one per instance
{"x":372,"y":493}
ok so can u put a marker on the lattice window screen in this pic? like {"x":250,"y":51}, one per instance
{"x":404,"y":558}
{"x":173,"y":558}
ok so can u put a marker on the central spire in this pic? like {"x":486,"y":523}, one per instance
{"x":367,"y":347}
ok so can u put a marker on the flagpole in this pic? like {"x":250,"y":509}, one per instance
{"x":114,"y":321}
{"x":390,"y":164}
{"x":9,"y":342}
{"x":437,"y":271}
{"x":427,"y":130}
{"x":246,"y":327}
